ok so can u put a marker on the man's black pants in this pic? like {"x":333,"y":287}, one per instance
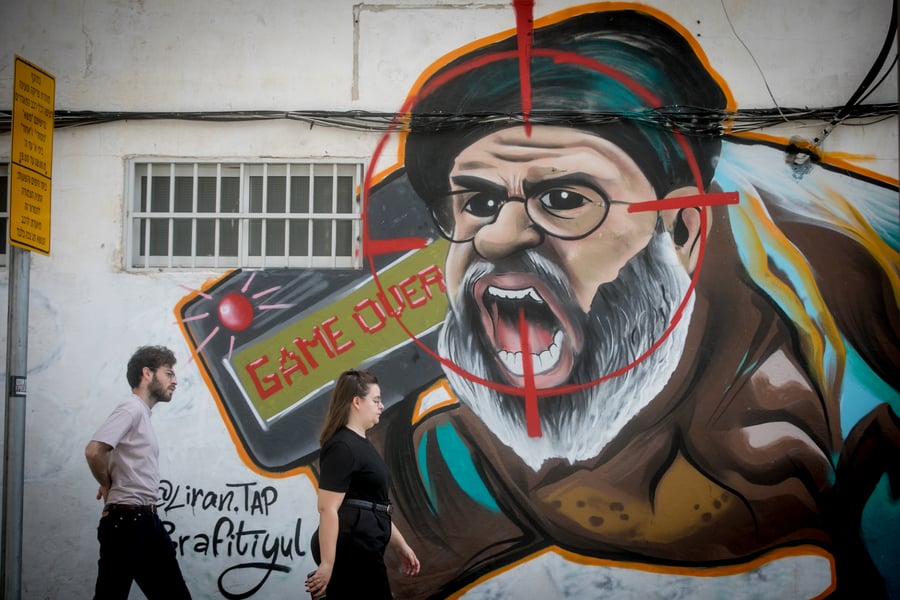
{"x":134,"y":546}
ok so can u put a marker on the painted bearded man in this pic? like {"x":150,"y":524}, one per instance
{"x":620,"y":386}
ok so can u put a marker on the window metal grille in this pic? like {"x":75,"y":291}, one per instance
{"x":244,"y":215}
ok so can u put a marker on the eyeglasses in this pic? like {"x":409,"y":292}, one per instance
{"x":167,"y":372}
{"x":565,"y":213}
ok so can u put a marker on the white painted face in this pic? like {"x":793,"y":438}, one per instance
{"x":581,"y":308}
{"x":561,"y":170}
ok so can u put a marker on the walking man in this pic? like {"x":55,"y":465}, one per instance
{"x":123,"y":456}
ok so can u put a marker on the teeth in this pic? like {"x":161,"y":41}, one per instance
{"x":515,"y":294}
{"x":541,"y":363}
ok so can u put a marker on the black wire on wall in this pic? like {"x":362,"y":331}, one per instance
{"x":686,"y":119}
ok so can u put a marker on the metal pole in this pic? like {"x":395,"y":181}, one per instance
{"x":14,"y":455}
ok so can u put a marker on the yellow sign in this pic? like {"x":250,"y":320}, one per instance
{"x":32,"y":157}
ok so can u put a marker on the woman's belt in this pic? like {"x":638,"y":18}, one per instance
{"x":385,"y":508}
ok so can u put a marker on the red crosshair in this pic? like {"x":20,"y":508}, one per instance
{"x":530,"y":392}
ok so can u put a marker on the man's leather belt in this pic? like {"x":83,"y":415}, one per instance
{"x":151,"y":508}
{"x":385,"y":508}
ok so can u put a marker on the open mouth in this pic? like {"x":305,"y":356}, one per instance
{"x":520,"y":313}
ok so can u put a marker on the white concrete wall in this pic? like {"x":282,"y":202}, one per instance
{"x":87,"y":314}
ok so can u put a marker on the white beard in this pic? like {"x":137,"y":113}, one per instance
{"x":577,"y":426}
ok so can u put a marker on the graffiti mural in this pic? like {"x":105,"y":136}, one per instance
{"x":622,"y":347}
{"x":244,"y":528}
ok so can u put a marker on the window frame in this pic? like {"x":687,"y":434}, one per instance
{"x":251,"y":225}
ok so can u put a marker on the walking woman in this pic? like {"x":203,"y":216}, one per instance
{"x":354,"y":509}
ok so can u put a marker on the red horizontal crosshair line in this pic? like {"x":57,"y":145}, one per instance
{"x":693,"y":201}
{"x":379,"y":247}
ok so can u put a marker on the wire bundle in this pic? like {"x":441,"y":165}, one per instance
{"x":685,"y":119}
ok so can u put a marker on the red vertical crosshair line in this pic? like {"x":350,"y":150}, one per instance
{"x":524,"y":35}
{"x":532,"y":420}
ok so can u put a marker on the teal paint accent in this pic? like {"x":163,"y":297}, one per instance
{"x":743,"y":231}
{"x":426,"y":476}
{"x":880,"y":524}
{"x":459,"y":460}
{"x":862,"y":391}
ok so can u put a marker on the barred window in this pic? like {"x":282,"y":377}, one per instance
{"x":244,"y":215}
{"x":4,"y":214}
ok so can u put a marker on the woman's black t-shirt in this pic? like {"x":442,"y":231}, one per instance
{"x":349,"y":464}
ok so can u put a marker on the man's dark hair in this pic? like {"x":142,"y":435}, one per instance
{"x":603,"y":72}
{"x":153,"y":357}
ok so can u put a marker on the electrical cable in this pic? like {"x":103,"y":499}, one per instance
{"x":753,"y":58}
{"x":690,"y":120}
{"x":862,"y":91}
{"x":880,"y":81}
